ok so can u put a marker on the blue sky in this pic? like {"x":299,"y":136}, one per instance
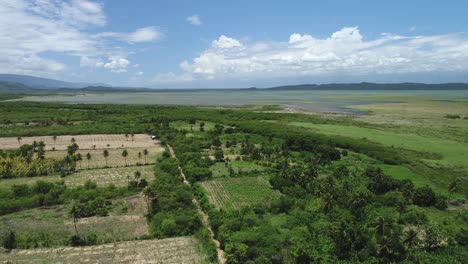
{"x":234,"y":43}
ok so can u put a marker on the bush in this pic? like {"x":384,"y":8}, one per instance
{"x":452,"y":116}
{"x":9,"y":242}
{"x":424,"y":196}
{"x":462,"y":237}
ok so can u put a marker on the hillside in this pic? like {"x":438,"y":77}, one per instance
{"x":43,"y":83}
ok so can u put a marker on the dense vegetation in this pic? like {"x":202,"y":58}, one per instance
{"x":328,"y":210}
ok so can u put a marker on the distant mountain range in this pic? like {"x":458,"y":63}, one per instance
{"x":24,"y":84}
{"x":43,"y":83}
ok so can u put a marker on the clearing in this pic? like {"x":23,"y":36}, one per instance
{"x":234,"y":193}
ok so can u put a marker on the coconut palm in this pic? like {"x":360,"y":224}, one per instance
{"x":411,"y":237}
{"x":145,"y":152}
{"x":88,"y":158}
{"x":79,"y":158}
{"x":132,"y":136}
{"x":137,"y":175}
{"x":106,"y":155}
{"x":126,"y":137}
{"x":19,"y":140}
{"x":125,"y":154}
{"x":74,"y":213}
{"x":139,"y":157}
{"x":54,"y":138}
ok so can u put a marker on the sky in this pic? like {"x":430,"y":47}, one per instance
{"x":229,"y":44}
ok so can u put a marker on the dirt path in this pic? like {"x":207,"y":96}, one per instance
{"x":205,"y":218}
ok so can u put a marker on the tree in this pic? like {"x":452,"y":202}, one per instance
{"x":54,"y":138}
{"x":79,"y":158}
{"x":202,"y":126}
{"x":73,"y":140}
{"x":145,"y":153}
{"x":424,"y":196}
{"x":132,"y":136}
{"x":139,"y":157}
{"x":71,"y":150}
{"x":19,"y":141}
{"x":88,"y":158}
{"x":41,"y":150}
{"x":137,"y":175}
{"x":411,"y":237}
{"x":452,"y":188}
{"x":9,"y":242}
{"x":125,"y":154}
{"x":105,"y":154}
{"x":74,"y":213}
{"x":219,"y":154}
{"x":126,"y":136}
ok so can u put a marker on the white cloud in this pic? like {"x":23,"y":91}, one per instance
{"x":195,"y":20}
{"x":117,"y":64}
{"x":345,"y":52}
{"x":29,"y":29}
{"x":224,"y":42}
{"x":139,"y":73}
{"x":146,"y":34}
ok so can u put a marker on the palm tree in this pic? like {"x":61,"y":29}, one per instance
{"x":79,"y":158}
{"x":19,"y":141}
{"x":88,"y":158}
{"x":380,"y":225}
{"x":137,"y":175}
{"x":74,"y":213}
{"x":73,"y":140}
{"x":105,"y":154}
{"x":54,"y":138}
{"x":126,"y":137}
{"x":139,"y":157}
{"x":411,"y":237}
{"x":133,"y":136}
{"x":145,"y":152}
{"x":125,"y":154}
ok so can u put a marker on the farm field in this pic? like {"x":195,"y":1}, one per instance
{"x":85,"y":142}
{"x":126,"y":221}
{"x":170,"y":250}
{"x":102,"y":177}
{"x":234,"y":193}
{"x":114,"y":159}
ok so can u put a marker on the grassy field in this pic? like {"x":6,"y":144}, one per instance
{"x":452,"y":152}
{"x":234,"y":193}
{"x":126,"y":221}
{"x":103,"y":177}
{"x":221,"y":170}
{"x":170,"y":250}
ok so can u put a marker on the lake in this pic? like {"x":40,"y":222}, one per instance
{"x":314,"y":101}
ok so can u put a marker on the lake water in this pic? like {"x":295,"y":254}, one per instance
{"x":316,"y":101}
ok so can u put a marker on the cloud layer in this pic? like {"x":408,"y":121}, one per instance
{"x":29,"y":29}
{"x":345,"y":52}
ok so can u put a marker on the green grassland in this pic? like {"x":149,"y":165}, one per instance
{"x":220,"y":169}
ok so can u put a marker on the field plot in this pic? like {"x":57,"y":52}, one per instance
{"x":55,"y":227}
{"x":234,"y":193}
{"x":114,"y":159}
{"x":96,"y":141}
{"x":170,"y":250}
{"x":103,"y":177}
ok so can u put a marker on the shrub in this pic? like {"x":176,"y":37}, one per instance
{"x":424,"y":196}
{"x":9,"y":242}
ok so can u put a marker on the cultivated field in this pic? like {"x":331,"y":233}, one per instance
{"x":170,"y":250}
{"x":96,"y":141}
{"x":234,"y":193}
{"x":55,"y":224}
{"x":221,"y":170}
{"x":103,"y":177}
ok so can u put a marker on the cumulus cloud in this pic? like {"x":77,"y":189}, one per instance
{"x":30,"y":29}
{"x":224,"y":42}
{"x":117,"y":64}
{"x":195,"y":20}
{"x":344,"y":52}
